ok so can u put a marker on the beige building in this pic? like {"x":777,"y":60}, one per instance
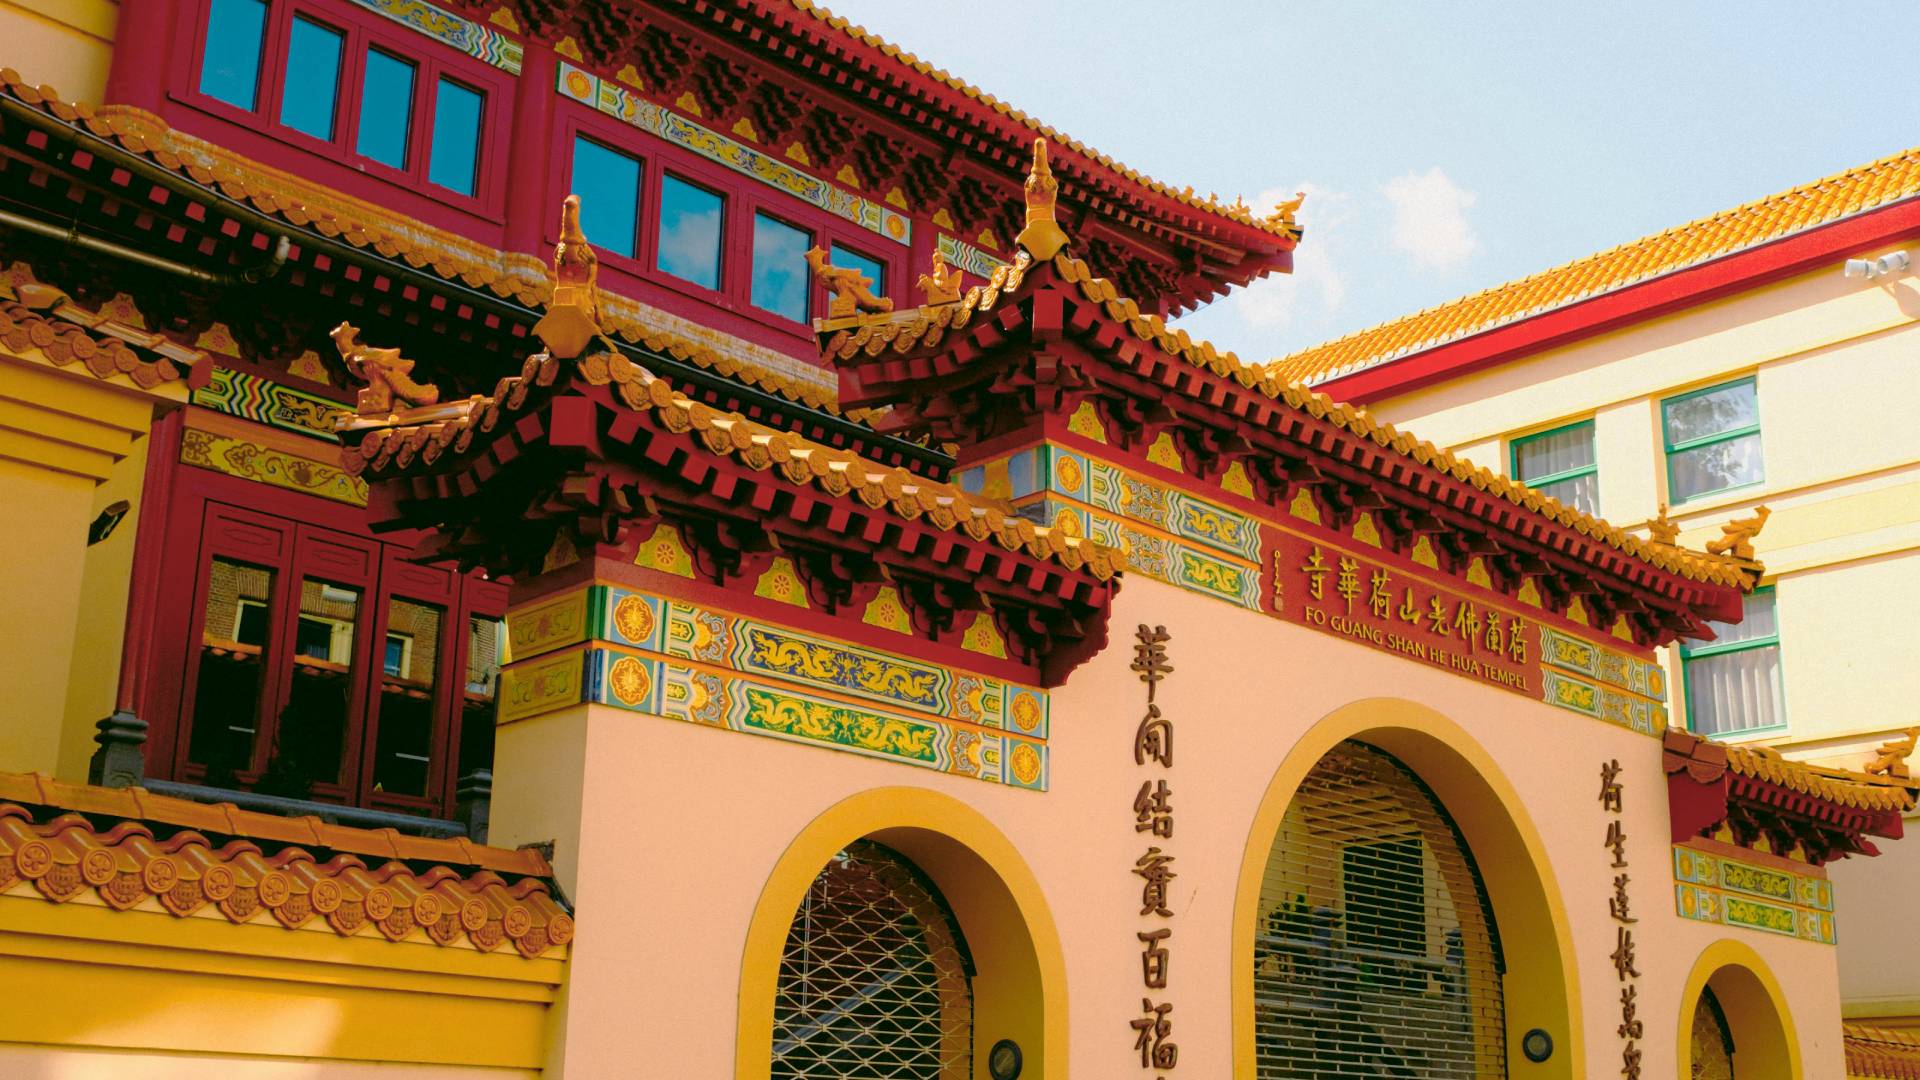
{"x":1762,"y":361}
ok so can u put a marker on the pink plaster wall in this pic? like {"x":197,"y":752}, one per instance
{"x":683,"y":824}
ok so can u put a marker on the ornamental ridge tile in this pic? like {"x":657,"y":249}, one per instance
{"x":130,"y":846}
{"x":39,"y":316}
{"x":1875,"y":1053}
{"x":1867,"y":187}
{"x":1705,"y":761}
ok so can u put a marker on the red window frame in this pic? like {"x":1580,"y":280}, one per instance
{"x":362,"y":30}
{"x":298,"y":537}
{"x":744,"y":198}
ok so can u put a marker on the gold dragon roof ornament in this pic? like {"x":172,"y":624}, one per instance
{"x":941,"y":285}
{"x":572,"y":320}
{"x":388,"y":375}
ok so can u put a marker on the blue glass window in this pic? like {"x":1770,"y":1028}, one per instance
{"x":608,"y":183}
{"x":690,"y":232}
{"x":230,"y":65}
{"x":780,"y":268}
{"x":456,"y":137}
{"x":313,"y":78}
{"x":386,"y":109}
{"x":849,"y":259}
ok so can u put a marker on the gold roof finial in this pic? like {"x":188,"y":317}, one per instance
{"x":1890,"y":760}
{"x":1043,"y":238}
{"x":942,"y":284}
{"x":1662,"y":530}
{"x":1283,"y":213}
{"x":572,"y":318}
{"x":1736,"y":536}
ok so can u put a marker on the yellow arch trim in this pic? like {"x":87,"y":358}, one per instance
{"x":994,"y":895}
{"x":1765,"y":1046}
{"x":1482,"y":802}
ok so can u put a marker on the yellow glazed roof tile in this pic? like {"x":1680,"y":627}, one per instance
{"x":1867,"y":187}
{"x":1875,"y":1053}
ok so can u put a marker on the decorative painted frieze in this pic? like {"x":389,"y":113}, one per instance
{"x":1711,"y":887}
{"x":249,"y":460}
{"x":964,"y":256}
{"x":476,"y":40}
{"x":264,"y":401}
{"x":611,"y":645}
{"x":625,"y":105}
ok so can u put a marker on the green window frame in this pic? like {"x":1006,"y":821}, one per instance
{"x":1743,"y":431}
{"x":1540,"y":483}
{"x":1694,"y":655}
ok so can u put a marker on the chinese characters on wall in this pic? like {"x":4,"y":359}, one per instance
{"x":1153,"y":823}
{"x":1631,"y":1028}
{"x":1390,"y":608}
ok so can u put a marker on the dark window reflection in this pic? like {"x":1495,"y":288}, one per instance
{"x":403,"y":753}
{"x":233,"y":644}
{"x":485,"y":638}
{"x":310,"y":746}
{"x":230,"y":66}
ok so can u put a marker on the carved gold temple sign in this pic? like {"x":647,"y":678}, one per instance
{"x":1153,"y":816}
{"x":1631,"y":1028}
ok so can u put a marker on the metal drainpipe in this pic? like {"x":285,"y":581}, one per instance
{"x":74,"y":236}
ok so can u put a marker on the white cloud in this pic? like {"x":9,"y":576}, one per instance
{"x":1430,"y":219}
{"x":1317,"y":287}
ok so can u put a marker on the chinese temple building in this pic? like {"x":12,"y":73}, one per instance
{"x":667,"y":538}
{"x":1685,"y":378}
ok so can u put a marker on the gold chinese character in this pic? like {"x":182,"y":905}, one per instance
{"x":1150,"y":655}
{"x":1617,"y":840}
{"x":1409,"y":610}
{"x":1155,"y":1051}
{"x":1516,"y":641}
{"x":1610,"y":785}
{"x":1496,"y":644}
{"x":1623,"y":954}
{"x":1316,"y":570}
{"x":1153,"y":739}
{"x":1466,"y":622}
{"x":1380,"y":595}
{"x":1348,"y":583}
{"x":1618,"y":905}
{"x":1437,"y":616}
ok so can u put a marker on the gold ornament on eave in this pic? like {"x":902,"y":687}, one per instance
{"x":572,"y":319}
{"x":1042,"y":238}
{"x":941,"y":285}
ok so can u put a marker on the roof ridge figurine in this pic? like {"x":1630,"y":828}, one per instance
{"x":572,"y":318}
{"x":1662,"y":530}
{"x":386,"y":373}
{"x":852,"y":291}
{"x":1284,"y":211}
{"x":1890,"y":760}
{"x":1736,"y":536}
{"x":1042,"y":238}
{"x":942,"y":284}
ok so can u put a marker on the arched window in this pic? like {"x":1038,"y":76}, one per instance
{"x":1376,"y":953}
{"x":875,"y":979}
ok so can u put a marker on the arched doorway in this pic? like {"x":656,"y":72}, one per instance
{"x":1376,"y":953}
{"x":1734,"y":1023}
{"x":875,"y":978}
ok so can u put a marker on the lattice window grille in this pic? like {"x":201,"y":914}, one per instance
{"x":875,"y":980}
{"x":1376,"y":954}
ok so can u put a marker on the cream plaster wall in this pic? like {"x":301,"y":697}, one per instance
{"x":1876,"y":938}
{"x":684,"y":824}
{"x":28,"y":1061}
{"x":1837,"y":369}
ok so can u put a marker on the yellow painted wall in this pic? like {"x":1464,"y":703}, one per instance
{"x":87,"y":992}
{"x":93,"y":678}
{"x":66,"y":44}
{"x":1839,"y":393}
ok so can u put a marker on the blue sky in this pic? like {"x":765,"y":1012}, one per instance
{"x":1445,"y":147}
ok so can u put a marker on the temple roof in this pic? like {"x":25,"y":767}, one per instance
{"x":130,"y":846}
{"x":1875,"y":1053}
{"x":1823,"y":202}
{"x":411,"y":441}
{"x":1841,"y":787}
{"x":515,"y":278}
{"x":1754,"y":791}
{"x":107,"y":342}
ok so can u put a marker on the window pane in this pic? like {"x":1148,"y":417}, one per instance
{"x":1549,"y":455}
{"x":849,"y":259}
{"x":456,"y":137}
{"x":1715,"y":466}
{"x":1727,"y":408}
{"x":1582,"y":492}
{"x":1735,"y":691}
{"x":226,"y":702}
{"x":608,"y":183}
{"x":403,"y":750}
{"x":1757,"y":621}
{"x":690,"y":232}
{"x":780,"y":268}
{"x":484,"y":639}
{"x":310,"y":746}
{"x":386,"y":109}
{"x":230,"y":66}
{"x":313,"y":78}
